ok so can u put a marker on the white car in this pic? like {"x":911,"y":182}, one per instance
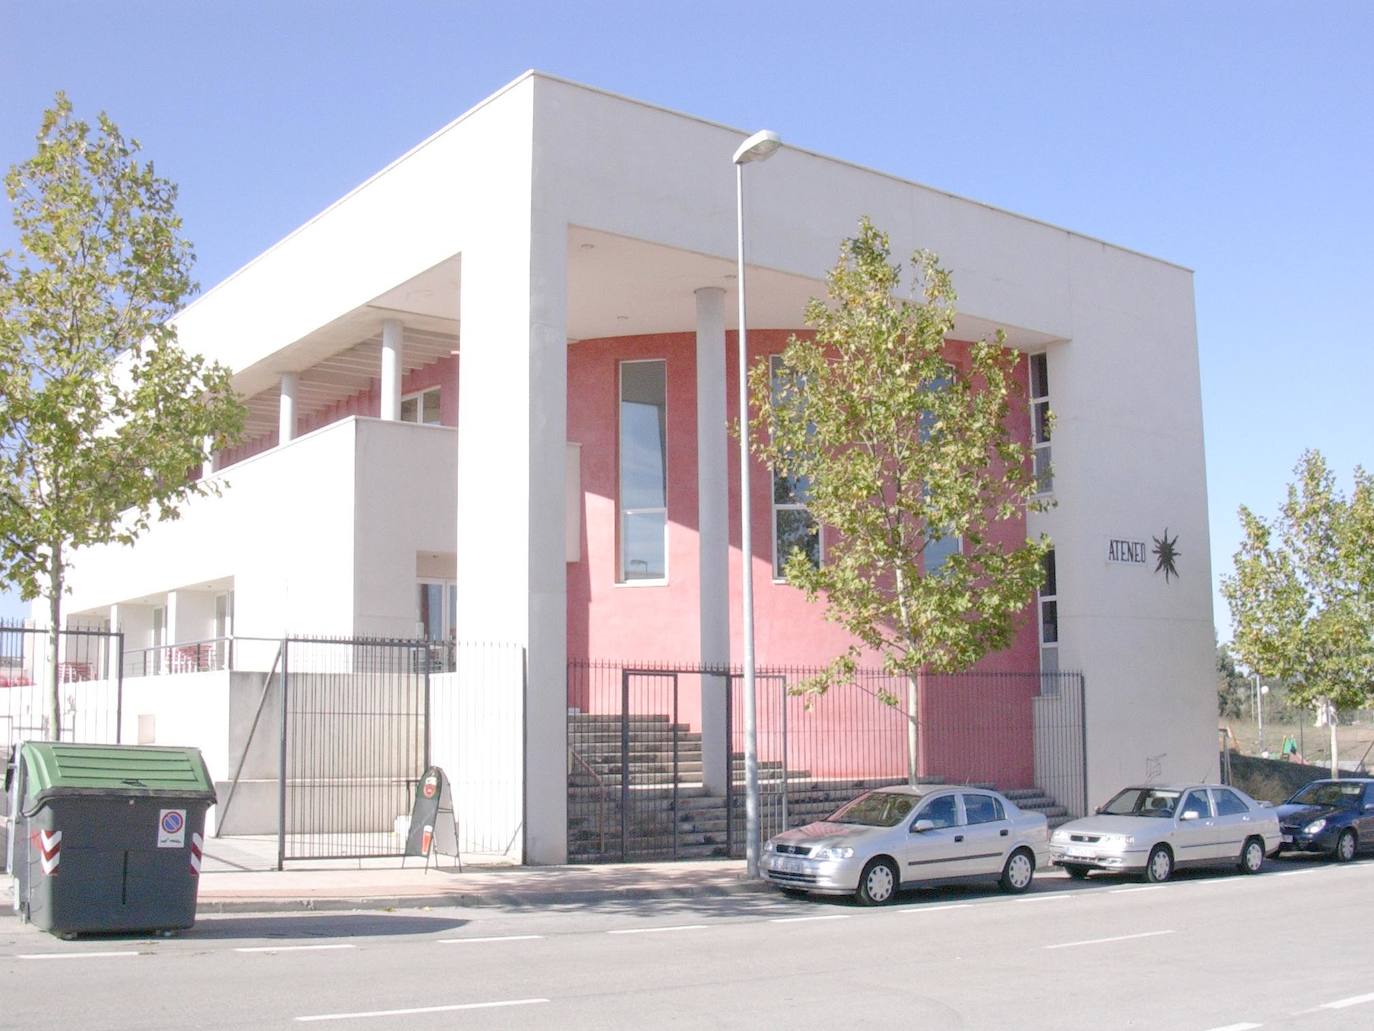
{"x":897,"y":837}
{"x":1156,"y":829}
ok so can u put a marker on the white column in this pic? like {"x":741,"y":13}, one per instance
{"x":210,"y":462}
{"x":392,"y":352}
{"x":512,"y":437}
{"x":713,"y":534}
{"x":286,"y":420}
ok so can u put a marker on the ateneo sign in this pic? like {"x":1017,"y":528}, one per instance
{"x":1124,"y":552}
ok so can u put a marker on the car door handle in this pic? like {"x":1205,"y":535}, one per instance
{"x":958,"y":837}
{"x":1004,"y":832}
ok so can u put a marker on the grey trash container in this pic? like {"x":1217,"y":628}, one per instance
{"x":109,"y":837}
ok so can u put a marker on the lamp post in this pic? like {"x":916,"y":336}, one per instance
{"x":758,"y":147}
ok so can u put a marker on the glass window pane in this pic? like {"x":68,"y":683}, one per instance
{"x":1040,"y":375}
{"x":1044,"y":474}
{"x":1196,"y":802}
{"x":410,"y":409}
{"x":643,"y":436}
{"x":1049,"y":667}
{"x":1040,"y":419}
{"x":795,"y":530}
{"x":791,"y":490}
{"x":643,"y":545}
{"x":430,"y":415}
{"x":431,"y":611}
{"x":453,"y":611}
{"x":1049,"y":622}
{"x":941,"y":811}
{"x":1050,"y":588}
{"x":938,"y":551}
{"x":982,"y":809}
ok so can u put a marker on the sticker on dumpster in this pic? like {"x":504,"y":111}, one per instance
{"x":171,"y":828}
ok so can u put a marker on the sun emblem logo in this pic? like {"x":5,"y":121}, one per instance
{"x":1165,"y":553}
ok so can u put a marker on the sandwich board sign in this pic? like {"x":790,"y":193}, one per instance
{"x":433,"y":820}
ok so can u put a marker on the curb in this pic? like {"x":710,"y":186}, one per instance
{"x":509,"y":900}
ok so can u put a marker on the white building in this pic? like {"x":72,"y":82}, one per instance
{"x":550,"y":233}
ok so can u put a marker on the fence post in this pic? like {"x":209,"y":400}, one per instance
{"x":729,"y":764}
{"x":119,"y":687}
{"x":1083,"y":736}
{"x":624,"y":764}
{"x":281,"y":763}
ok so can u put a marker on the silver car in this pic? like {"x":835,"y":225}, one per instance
{"x":896,"y":837}
{"x":1156,"y":829}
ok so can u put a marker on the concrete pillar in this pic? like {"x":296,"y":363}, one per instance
{"x":210,"y":464}
{"x":512,"y":437}
{"x":286,"y":422}
{"x":393,"y":345}
{"x":713,"y":531}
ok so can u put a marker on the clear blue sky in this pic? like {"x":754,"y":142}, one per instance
{"x":1236,"y":138}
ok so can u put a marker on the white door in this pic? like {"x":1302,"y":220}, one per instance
{"x":987,"y":833}
{"x":937,"y":852}
{"x":1195,"y":834}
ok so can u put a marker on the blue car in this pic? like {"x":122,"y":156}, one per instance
{"x":1331,"y":816}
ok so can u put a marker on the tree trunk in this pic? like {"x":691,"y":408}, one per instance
{"x":913,"y":727}
{"x":54,"y":706}
{"x":1331,"y":727}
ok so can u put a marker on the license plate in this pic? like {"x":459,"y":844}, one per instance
{"x":1080,"y":853}
{"x":788,"y":865}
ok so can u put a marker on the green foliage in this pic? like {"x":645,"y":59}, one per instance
{"x":104,"y":417}
{"x":1235,"y":691}
{"x":900,"y":445}
{"x":1301,"y":602}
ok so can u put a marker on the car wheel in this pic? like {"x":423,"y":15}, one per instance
{"x":1345,"y":846}
{"x":878,"y":883}
{"x":1252,"y":856}
{"x":1018,"y":873}
{"x":1160,"y":865}
{"x":1076,"y":871}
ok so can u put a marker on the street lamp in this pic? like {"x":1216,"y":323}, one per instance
{"x":758,"y":147}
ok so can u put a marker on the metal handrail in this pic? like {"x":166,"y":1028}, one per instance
{"x":601,"y":807}
{"x":166,"y":655}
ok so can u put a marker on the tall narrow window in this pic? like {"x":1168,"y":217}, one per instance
{"x":794,"y":528}
{"x":422,"y":407}
{"x":643,"y":471}
{"x":1040,"y":421}
{"x":1049,"y":625}
{"x":939,"y":546}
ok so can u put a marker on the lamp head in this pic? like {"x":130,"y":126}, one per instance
{"x":759,"y":147}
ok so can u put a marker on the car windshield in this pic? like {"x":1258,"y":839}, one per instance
{"x":876,"y":809}
{"x":1328,"y":793}
{"x":1142,"y":802}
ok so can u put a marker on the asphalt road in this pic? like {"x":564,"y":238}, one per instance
{"x":1289,"y":948}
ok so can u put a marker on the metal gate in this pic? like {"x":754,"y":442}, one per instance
{"x":90,"y":684}
{"x":656,"y":754}
{"x":353,"y":718}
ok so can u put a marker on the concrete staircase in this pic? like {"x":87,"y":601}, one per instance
{"x":671,"y":813}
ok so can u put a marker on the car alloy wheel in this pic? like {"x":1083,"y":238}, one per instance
{"x":1160,"y":865}
{"x":1018,"y":873}
{"x":1345,"y":846}
{"x":878,"y":883}
{"x":1252,"y":856}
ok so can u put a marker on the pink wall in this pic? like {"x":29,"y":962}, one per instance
{"x":367,"y":403}
{"x":967,"y":735}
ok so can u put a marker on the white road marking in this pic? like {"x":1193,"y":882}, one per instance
{"x":1298,"y":873}
{"x":74,"y":955}
{"x":1354,"y":1000}
{"x":502,"y":938}
{"x":1236,"y":1027}
{"x":655,"y":930}
{"x":421,"y":1009}
{"x":803,"y":919}
{"x":1143,"y":887}
{"x":1045,"y":898}
{"x":291,"y":948}
{"x":1103,"y":941}
{"x":934,"y":908}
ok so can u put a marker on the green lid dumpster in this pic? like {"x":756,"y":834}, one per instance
{"x":109,"y":837}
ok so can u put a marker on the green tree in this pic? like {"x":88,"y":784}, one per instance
{"x":1235,"y":691}
{"x":104,"y":417}
{"x":1301,"y":608}
{"x":900,"y":452}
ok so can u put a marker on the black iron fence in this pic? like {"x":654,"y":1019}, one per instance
{"x":655,"y":752}
{"x":89,"y":682}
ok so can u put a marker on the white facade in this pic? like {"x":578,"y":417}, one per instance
{"x":553,"y":213}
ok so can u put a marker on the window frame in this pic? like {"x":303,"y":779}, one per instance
{"x":418,"y":396}
{"x":774,"y":362}
{"x":1041,"y":599}
{"x":1044,"y":486}
{"x":621,"y":580}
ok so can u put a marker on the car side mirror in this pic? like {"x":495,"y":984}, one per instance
{"x":1369,"y":807}
{"x":921,"y":826}
{"x":1189,"y":814}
